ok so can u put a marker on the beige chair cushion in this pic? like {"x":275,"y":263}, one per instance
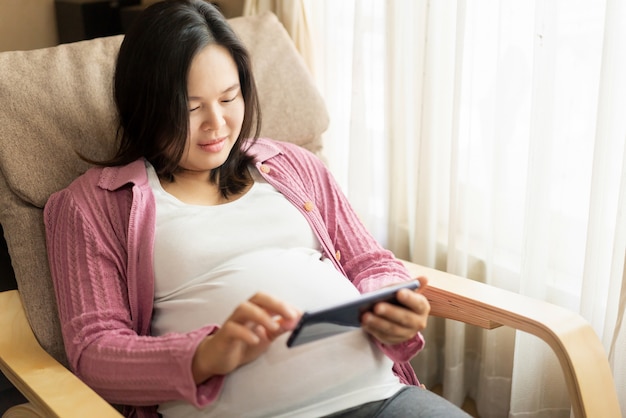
{"x":56,"y":101}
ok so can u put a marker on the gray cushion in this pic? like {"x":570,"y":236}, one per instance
{"x":57,"y":101}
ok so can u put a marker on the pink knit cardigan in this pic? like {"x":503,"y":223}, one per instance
{"x":100,"y":236}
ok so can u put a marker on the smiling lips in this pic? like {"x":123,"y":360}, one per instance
{"x":215,"y":145}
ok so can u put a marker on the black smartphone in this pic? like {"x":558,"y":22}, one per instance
{"x":337,"y":319}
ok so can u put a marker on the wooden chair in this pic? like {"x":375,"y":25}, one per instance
{"x":58,"y":100}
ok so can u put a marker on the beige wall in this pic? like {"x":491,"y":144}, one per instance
{"x":27,"y":24}
{"x":31,"y":24}
{"x":230,"y":8}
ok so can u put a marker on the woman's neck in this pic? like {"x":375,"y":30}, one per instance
{"x":196,"y":189}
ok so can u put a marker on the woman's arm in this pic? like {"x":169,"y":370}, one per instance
{"x":103,"y":347}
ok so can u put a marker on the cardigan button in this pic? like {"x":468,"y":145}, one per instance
{"x":338,"y":255}
{"x":309,"y":206}
{"x":265,"y":168}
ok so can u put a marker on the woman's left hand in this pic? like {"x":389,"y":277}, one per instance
{"x":392,"y":324}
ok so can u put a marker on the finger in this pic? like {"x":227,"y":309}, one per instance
{"x":234,"y":331}
{"x":413,"y":301}
{"x":423,"y":284}
{"x":398,"y":315}
{"x":275,"y":306}
{"x":387,"y":332}
{"x":250,"y":314}
{"x":273,"y":314}
{"x":390,"y":320}
{"x":406,"y":327}
{"x":288,"y":324}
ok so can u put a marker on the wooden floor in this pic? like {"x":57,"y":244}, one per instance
{"x":468,"y":406}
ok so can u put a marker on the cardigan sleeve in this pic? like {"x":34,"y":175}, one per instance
{"x":103,"y":347}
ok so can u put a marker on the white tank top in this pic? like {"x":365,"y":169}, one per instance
{"x":208,"y":259}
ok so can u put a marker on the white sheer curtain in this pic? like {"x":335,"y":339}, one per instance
{"x":488,"y":139}
{"x":349,"y":49}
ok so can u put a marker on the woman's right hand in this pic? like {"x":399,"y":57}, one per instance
{"x":245,"y":335}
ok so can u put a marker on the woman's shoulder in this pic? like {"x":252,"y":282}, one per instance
{"x":96,"y":181}
{"x":114,"y":177}
{"x":265,"y":148}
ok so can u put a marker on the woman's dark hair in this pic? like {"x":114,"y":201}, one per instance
{"x":150,"y":88}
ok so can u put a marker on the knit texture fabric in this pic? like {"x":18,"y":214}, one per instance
{"x":100,"y":234}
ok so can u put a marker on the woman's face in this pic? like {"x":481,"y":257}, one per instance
{"x":216,"y":110}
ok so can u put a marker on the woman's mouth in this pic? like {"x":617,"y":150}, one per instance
{"x":215,"y":145}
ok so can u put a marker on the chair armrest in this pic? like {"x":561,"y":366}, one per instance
{"x":51,"y":389}
{"x":573,"y":340}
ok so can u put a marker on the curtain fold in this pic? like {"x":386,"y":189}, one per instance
{"x":500,"y":131}
{"x":606,"y":245}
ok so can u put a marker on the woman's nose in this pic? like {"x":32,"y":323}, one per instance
{"x":213,"y":120}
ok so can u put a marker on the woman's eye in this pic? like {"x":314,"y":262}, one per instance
{"x":194,"y":108}
{"x":229,"y":100}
